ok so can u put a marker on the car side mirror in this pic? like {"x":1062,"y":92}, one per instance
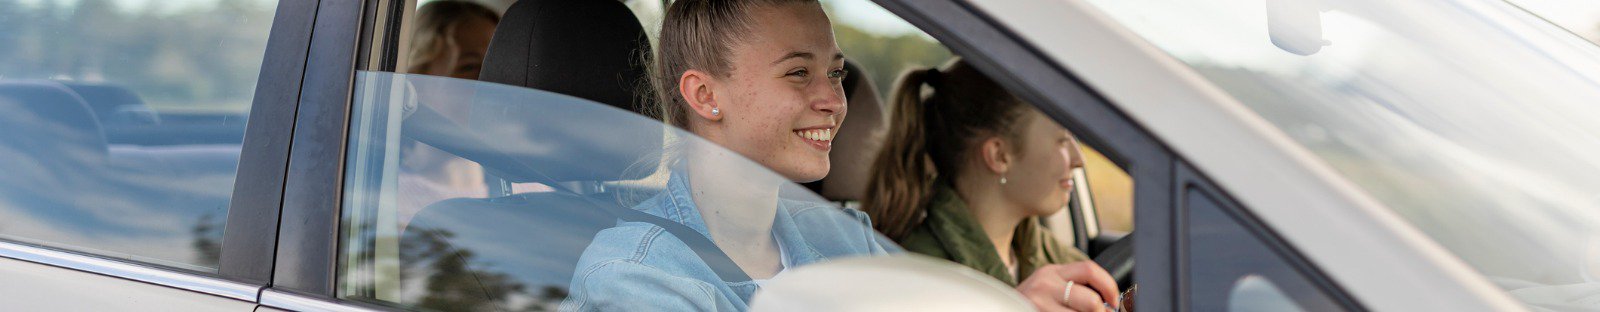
{"x":903,"y":282}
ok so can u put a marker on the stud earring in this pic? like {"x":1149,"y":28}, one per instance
{"x":716,"y":111}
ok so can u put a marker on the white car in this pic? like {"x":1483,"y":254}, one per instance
{"x":1285,"y":155}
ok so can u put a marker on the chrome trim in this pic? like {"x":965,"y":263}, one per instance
{"x":293,"y":302}
{"x":130,"y":271}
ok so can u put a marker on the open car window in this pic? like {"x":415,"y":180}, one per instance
{"x":420,"y":230}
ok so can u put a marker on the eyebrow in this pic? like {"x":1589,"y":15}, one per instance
{"x":804,"y":55}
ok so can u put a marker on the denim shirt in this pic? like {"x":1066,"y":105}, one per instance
{"x":638,"y":266}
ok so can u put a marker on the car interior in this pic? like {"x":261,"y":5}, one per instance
{"x":565,"y":62}
{"x":115,"y":144}
{"x":577,"y":48}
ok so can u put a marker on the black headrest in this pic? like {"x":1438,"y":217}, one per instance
{"x":50,"y":123}
{"x":591,"y":50}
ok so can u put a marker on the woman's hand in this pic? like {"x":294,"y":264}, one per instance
{"x":1092,"y":287}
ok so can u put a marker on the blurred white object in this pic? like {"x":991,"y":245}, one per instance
{"x":894,"y":283}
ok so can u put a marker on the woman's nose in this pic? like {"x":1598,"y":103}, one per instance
{"x":830,"y":100}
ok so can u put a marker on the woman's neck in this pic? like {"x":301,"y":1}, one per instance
{"x":992,"y":212}
{"x":737,"y":210}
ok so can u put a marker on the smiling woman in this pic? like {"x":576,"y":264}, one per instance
{"x":715,"y":210}
{"x":763,"y":80}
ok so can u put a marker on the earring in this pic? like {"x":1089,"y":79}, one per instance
{"x":1002,"y":180}
{"x":716,"y":111}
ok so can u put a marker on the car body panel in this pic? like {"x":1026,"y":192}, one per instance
{"x":1323,"y":216}
{"x":52,"y":288}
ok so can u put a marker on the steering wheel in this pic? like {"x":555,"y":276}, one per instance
{"x":1117,"y":259}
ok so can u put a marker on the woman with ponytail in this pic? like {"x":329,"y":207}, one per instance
{"x":967,"y":172}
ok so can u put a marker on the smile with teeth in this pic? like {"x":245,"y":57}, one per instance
{"x":824,"y":135}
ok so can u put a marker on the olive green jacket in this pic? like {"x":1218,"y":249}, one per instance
{"x":951,"y":232}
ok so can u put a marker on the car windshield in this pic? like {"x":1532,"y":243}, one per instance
{"x":1473,"y":120}
{"x":468,"y":195}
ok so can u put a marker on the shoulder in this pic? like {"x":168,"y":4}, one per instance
{"x":643,"y":244}
{"x":1054,"y":250}
{"x":921,"y":240}
{"x":626,"y":264}
{"x":835,"y":231}
{"x":817,"y":218}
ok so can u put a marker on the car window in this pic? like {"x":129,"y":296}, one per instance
{"x":1112,"y":189}
{"x":121,"y":123}
{"x":1232,"y":268}
{"x":886,"y":47}
{"x":1470,"y":119}
{"x":474,"y":251}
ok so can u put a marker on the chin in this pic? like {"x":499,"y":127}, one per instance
{"x":1053,"y":209}
{"x":807,"y":172}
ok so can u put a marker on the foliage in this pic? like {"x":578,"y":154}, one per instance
{"x":885,"y":57}
{"x":187,"y":54}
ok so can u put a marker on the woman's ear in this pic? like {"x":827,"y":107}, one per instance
{"x":996,"y":155}
{"x":697,"y":89}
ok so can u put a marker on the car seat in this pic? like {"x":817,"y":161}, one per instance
{"x":590,"y":50}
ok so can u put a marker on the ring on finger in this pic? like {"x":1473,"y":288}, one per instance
{"x":1067,"y":294}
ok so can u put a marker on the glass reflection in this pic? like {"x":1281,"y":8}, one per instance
{"x":521,"y":252}
{"x":1470,"y":119}
{"x":120,"y":123}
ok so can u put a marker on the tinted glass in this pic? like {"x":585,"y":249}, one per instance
{"x":121,"y":123}
{"x":1472,"y":119}
{"x":414,"y":243}
{"x":1231,"y":269}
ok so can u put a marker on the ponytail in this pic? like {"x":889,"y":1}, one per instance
{"x":931,"y":136}
{"x":900,"y":188}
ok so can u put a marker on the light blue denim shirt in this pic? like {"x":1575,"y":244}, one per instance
{"x":640,"y":267}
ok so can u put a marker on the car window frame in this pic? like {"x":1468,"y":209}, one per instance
{"x":1063,"y":96}
{"x":1191,"y":181}
{"x":1066,"y":99}
{"x":303,"y":261}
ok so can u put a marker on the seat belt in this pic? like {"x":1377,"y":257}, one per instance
{"x":709,"y":253}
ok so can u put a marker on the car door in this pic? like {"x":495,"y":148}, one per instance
{"x":144,"y":147}
{"x":1294,"y":123}
{"x":1165,"y":195}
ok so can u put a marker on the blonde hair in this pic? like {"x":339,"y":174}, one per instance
{"x":436,"y":21}
{"x":930,"y":135}
{"x":698,"y":34}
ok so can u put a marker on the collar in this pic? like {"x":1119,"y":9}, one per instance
{"x":963,"y":239}
{"x":677,"y":204}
